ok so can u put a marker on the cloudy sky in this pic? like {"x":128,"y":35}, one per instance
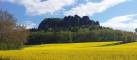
{"x":117,"y":14}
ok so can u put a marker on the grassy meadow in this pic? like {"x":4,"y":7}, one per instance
{"x":74,"y":51}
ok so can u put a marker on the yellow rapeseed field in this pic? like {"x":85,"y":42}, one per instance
{"x":74,"y":51}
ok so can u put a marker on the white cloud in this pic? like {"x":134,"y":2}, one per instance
{"x":38,"y":7}
{"x":91,"y":8}
{"x":28,"y":24}
{"x":126,"y":22}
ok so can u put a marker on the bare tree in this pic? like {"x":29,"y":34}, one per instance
{"x":12,"y":36}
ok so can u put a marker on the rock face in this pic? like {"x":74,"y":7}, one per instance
{"x":67,"y":23}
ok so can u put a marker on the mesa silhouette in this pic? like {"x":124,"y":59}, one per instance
{"x":72,"y":23}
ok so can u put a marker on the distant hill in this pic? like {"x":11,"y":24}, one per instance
{"x":72,"y":23}
{"x":71,"y":29}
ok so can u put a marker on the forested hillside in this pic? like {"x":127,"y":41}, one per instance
{"x":68,"y":23}
{"x":76,"y":29}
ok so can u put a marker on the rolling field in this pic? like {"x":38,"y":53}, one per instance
{"x":74,"y":51}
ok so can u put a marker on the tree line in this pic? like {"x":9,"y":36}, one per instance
{"x":83,"y":35}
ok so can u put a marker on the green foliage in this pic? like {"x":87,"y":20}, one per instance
{"x":46,"y":37}
{"x":83,"y":35}
{"x":68,"y":23}
{"x":76,"y":29}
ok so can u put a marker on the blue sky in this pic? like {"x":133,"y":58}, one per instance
{"x":117,"y":14}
